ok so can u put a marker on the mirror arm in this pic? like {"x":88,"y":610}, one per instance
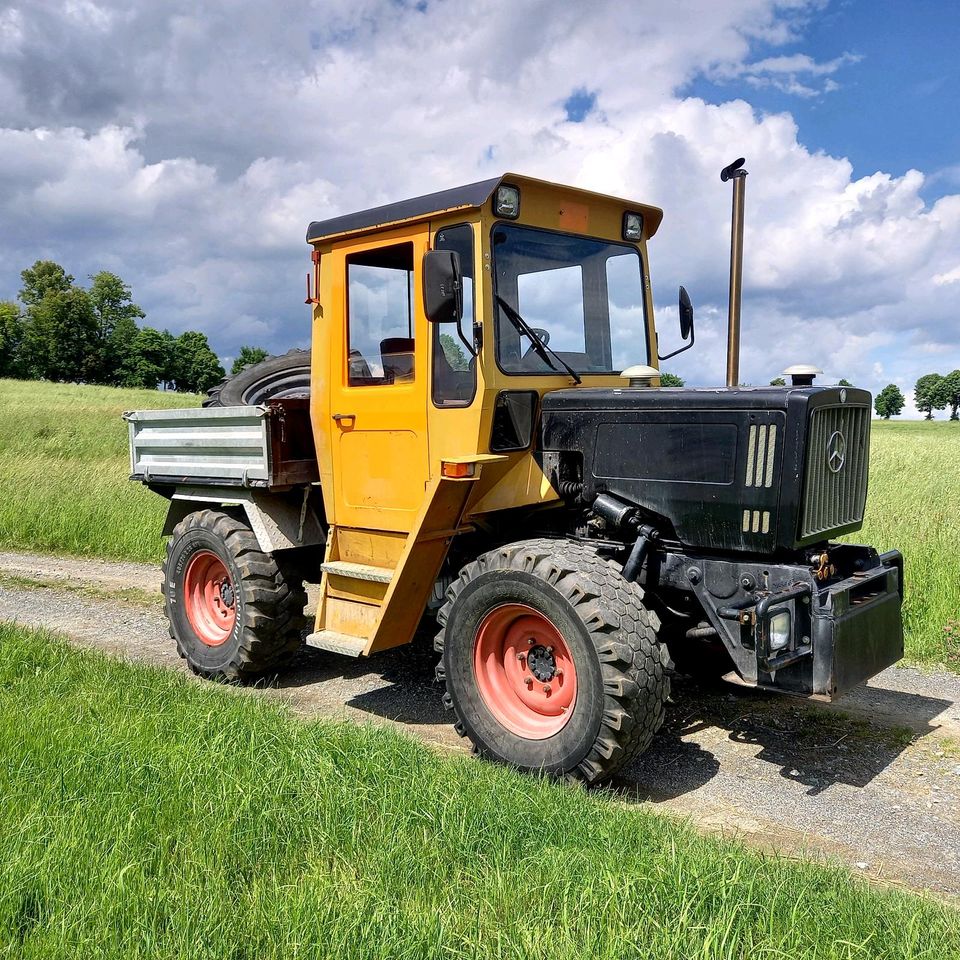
{"x":458,"y":286}
{"x":465,"y":341}
{"x":687,"y":346}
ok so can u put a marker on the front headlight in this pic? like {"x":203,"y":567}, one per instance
{"x":780,"y":629}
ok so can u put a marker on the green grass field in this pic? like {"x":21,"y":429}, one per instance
{"x":146,"y":815}
{"x":64,"y":468}
{"x":64,"y":488}
{"x":914,"y":505}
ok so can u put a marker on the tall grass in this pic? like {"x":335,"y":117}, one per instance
{"x":64,"y":468}
{"x":64,"y":487}
{"x":145,"y":816}
{"x":914,"y":506}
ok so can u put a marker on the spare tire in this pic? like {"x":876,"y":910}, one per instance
{"x":284,"y":376}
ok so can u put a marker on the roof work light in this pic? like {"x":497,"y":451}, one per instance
{"x":506,"y":202}
{"x":632,"y":226}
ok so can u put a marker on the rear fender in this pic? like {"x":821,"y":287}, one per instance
{"x":279,"y":521}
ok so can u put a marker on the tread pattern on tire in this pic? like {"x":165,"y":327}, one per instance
{"x":635,"y":666}
{"x":230,"y":390}
{"x":273,"y":603}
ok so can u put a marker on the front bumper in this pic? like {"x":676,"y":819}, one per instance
{"x":837,"y":634}
{"x":858,"y":628}
{"x":841,"y":634}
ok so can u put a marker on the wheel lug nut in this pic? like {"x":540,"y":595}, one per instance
{"x":549,"y":649}
{"x":546,"y":688}
{"x":528,"y":681}
{"x":531,"y":641}
{"x":521,"y":657}
{"x":558,"y":674}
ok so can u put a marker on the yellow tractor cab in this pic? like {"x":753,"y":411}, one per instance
{"x":478,"y":439}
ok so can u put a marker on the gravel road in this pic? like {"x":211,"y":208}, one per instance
{"x":873,"y":781}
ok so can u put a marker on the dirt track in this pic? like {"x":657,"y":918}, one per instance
{"x":874,"y":781}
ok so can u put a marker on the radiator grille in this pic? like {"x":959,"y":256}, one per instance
{"x":835,"y":483}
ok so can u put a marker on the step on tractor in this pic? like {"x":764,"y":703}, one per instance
{"x":478,"y":440}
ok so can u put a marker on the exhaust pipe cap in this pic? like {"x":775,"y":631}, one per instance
{"x":802,"y":374}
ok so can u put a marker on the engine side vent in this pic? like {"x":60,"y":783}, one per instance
{"x":761,"y":447}
{"x":835,"y":480}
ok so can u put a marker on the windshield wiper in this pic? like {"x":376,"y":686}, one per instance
{"x":540,"y":348}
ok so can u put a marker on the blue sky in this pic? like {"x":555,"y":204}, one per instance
{"x":186,"y":146}
{"x":897,"y":103}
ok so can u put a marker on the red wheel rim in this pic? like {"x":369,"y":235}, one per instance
{"x":524,"y":671}
{"x":209,"y":598}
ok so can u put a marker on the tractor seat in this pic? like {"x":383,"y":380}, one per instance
{"x":397,"y":356}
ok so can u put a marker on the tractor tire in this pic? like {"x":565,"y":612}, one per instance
{"x":276,"y":377}
{"x":233,"y":612}
{"x":551,"y":660}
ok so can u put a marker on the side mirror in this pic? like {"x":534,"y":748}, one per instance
{"x":686,"y":314}
{"x":686,"y":324}
{"x":442,"y":289}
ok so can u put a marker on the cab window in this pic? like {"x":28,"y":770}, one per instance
{"x":583,"y":296}
{"x":454,"y":368}
{"x":380,"y":341}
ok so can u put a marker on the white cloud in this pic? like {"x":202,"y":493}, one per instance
{"x":949,"y":276}
{"x":187,"y":147}
{"x":797,"y":74}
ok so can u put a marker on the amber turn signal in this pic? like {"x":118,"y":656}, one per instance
{"x":457,"y":471}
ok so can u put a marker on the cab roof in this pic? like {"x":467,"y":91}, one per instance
{"x":471,"y":196}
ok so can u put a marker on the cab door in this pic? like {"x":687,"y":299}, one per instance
{"x":378,"y":402}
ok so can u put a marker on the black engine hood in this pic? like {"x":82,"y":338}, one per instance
{"x":717,"y":468}
{"x":696,"y":398}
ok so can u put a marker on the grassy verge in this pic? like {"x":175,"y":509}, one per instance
{"x":912,"y":505}
{"x":64,"y":488}
{"x":134,"y":596}
{"x":144,"y":816}
{"x":63,"y":479}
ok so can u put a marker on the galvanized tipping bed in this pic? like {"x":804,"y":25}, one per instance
{"x":268,"y":446}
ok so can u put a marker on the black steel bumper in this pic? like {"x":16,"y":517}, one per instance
{"x":785,"y":630}
{"x":840,"y":635}
{"x":858,"y":630}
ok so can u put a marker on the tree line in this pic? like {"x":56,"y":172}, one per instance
{"x":59,"y":330}
{"x":932,"y":391}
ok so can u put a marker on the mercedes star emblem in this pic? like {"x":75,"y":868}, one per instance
{"x":836,"y":452}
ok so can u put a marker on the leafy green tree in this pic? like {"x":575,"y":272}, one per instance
{"x":11,"y":334}
{"x":453,"y":352}
{"x":778,"y":382}
{"x":844,"y":382}
{"x":889,"y":401}
{"x":59,"y":336}
{"x":247,"y":357}
{"x":59,"y":327}
{"x":671,"y":380}
{"x":951,"y":392}
{"x":195,"y":366}
{"x":148,"y":363}
{"x":930,"y":394}
{"x":43,"y":278}
{"x":117,"y":329}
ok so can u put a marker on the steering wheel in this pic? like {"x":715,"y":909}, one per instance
{"x":544,"y":335}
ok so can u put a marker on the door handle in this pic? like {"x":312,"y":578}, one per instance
{"x":340,"y":417}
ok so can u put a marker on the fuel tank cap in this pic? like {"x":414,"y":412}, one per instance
{"x":640,"y":375}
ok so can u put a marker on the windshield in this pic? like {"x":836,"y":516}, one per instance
{"x":583,"y":297}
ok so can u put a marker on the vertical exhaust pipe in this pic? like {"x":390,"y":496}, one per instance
{"x":738,"y":175}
